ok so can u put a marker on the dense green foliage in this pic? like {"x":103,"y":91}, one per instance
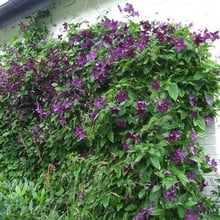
{"x":102,"y":123}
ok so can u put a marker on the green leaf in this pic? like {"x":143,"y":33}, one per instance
{"x":162,"y":120}
{"x":151,"y":122}
{"x":190,"y":203}
{"x":111,"y":136}
{"x":183,"y":115}
{"x":139,"y":157}
{"x":157,"y":212}
{"x":199,"y":122}
{"x":130,"y":207}
{"x":181,"y":212}
{"x":119,"y":206}
{"x":173,"y":91}
{"x":156,"y":188}
{"x":181,"y":93}
{"x":196,"y":159}
{"x":168,"y":182}
{"x":161,"y":175}
{"x":183,"y":179}
{"x":6,"y":133}
{"x":105,"y":201}
{"x":199,"y":75}
{"x":141,"y":194}
{"x":215,"y":216}
{"x":155,"y":162}
{"x":60,"y":192}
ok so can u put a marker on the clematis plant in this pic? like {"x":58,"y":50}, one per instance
{"x":116,"y":107}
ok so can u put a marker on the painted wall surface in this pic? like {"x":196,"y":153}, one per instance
{"x":202,"y":13}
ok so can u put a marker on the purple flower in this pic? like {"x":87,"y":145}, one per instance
{"x":202,"y":185}
{"x":77,"y":83}
{"x":178,"y":156}
{"x":87,"y":43}
{"x":141,"y":104}
{"x":199,"y":38}
{"x":191,"y":145}
{"x":62,"y":121}
{"x":176,"y":183}
{"x":200,"y":207}
{"x":190,"y":215}
{"x":60,"y":107}
{"x":130,"y":9}
{"x":74,"y":38}
{"x":99,"y":71}
{"x":80,"y":60}
{"x":207,"y":158}
{"x":193,"y":135}
{"x":65,"y":26}
{"x":22,"y":26}
{"x":163,"y":106}
{"x":214,"y":165}
{"x":92,"y":116}
{"x":66,"y":103}
{"x":144,"y":214}
{"x":121,"y":96}
{"x":80,"y":133}
{"x":191,"y":96}
{"x":191,"y":175}
{"x":179,"y":44}
{"x":60,"y":36}
{"x":193,"y":114}
{"x":140,"y":215}
{"x":173,"y":136}
{"x":208,"y":120}
{"x":112,"y":24}
{"x":149,"y":210}
{"x":140,"y":108}
{"x":206,"y":35}
{"x":208,"y":100}
{"x":128,"y":169}
{"x":99,"y":102}
{"x":56,"y":108}
{"x":167,"y":172}
{"x":87,"y":33}
{"x":126,"y":146}
{"x":85,"y":154}
{"x":87,"y":104}
{"x":155,"y":85}
{"x":142,"y":42}
{"x":149,"y":185}
{"x":80,"y":196}
{"x":170,"y":194}
{"x":115,"y":110}
{"x":92,"y":55}
{"x":191,"y":100}
{"x":41,"y":111}
{"x":121,"y":123}
{"x":131,"y":135}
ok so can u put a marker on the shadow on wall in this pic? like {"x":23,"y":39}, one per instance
{"x":69,"y":10}
{"x":62,"y":10}
{"x":74,"y":8}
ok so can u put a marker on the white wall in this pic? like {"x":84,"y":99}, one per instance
{"x":202,"y":13}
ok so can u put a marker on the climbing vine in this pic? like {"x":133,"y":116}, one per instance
{"x":105,"y":120}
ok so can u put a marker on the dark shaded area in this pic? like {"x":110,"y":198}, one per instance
{"x":15,"y":9}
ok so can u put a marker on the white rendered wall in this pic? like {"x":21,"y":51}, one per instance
{"x":202,"y":13}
